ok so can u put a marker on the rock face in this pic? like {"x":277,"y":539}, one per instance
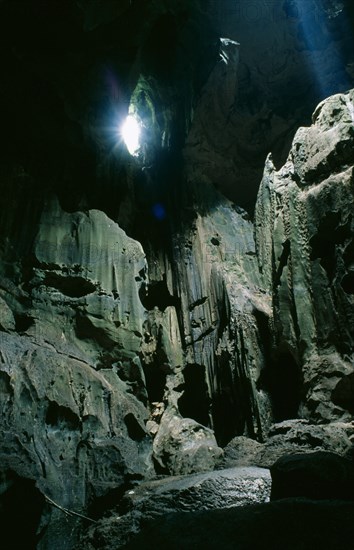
{"x":288,"y":438}
{"x":273,"y":97}
{"x":304,"y":235}
{"x":72,"y":387}
{"x":146,"y":322}
{"x":231,"y":488}
{"x":325,"y":524}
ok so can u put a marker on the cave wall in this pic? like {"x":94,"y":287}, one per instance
{"x":293,"y":54}
{"x":305,"y":254}
{"x":145,"y":320}
{"x":304,"y":235}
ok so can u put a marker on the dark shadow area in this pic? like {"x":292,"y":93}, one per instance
{"x":348,"y":283}
{"x":319,"y":475}
{"x":283,"y":260}
{"x":85,"y":329}
{"x":195,"y":401}
{"x":228,"y":403}
{"x":23,"y":322}
{"x":264,"y":330}
{"x":21,"y":507}
{"x":343,"y":393}
{"x":61,"y":417}
{"x":330,"y":232}
{"x":157,"y":294}
{"x":109,"y":501}
{"x":288,"y":524}
{"x":155,"y":377}
{"x":74,"y":287}
{"x":135,"y":431}
{"x":283,"y":381}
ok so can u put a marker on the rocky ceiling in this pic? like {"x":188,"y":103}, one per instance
{"x":147,"y":326}
{"x":293,"y":53}
{"x":70,"y":68}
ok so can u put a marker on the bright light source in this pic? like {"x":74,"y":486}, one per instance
{"x":131,"y":134}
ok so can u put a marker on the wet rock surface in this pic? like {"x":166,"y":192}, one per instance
{"x":147,"y":326}
{"x":229,"y":488}
{"x":273,"y":525}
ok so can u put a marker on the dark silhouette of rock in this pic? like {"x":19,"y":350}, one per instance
{"x":317,"y":475}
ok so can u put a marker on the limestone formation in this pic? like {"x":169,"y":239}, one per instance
{"x":149,"y":327}
{"x":287,"y":523}
{"x":288,"y":63}
{"x":304,"y":231}
{"x":226,"y":489}
{"x":72,"y":387}
{"x":288,"y":438}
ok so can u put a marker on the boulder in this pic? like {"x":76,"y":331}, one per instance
{"x":318,"y":475}
{"x":300,"y":436}
{"x":288,"y":523}
{"x":240,"y":451}
{"x":182,"y":446}
{"x":230,"y":488}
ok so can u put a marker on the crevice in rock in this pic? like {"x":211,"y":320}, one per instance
{"x":195,"y":402}
{"x":156,"y":294}
{"x":198,"y":303}
{"x":283,"y":260}
{"x":111,"y":500}
{"x":23,"y":322}
{"x":227,"y":402}
{"x":155,"y":377}
{"x":343,"y":393}
{"x":5,"y":384}
{"x":224,"y":312}
{"x":323,"y":244}
{"x":348,"y":283}
{"x":283,"y":380}
{"x":135,"y":431}
{"x":21,"y":507}
{"x":73,"y":287}
{"x":59,"y":417}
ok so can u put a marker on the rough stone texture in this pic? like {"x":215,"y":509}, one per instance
{"x":289,"y":523}
{"x":176,"y":332}
{"x":89,"y":272}
{"x":299,"y":436}
{"x":182,"y":446}
{"x":287,"y":438}
{"x":210,"y":491}
{"x":223,"y":310}
{"x":304,"y":231}
{"x":240,"y":451}
{"x":68,"y":421}
{"x":112,"y":362}
{"x":318,"y":475}
{"x":273,"y":96}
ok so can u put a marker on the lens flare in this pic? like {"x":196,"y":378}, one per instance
{"x":131,"y":134}
{"x":159,"y":211}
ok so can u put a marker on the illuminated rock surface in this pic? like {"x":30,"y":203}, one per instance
{"x":230,"y":488}
{"x":149,"y":326}
{"x":304,"y":234}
